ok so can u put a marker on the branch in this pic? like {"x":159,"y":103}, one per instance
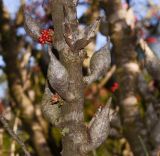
{"x":151,"y":61}
{"x":58,"y":20}
{"x":15,"y":127}
{"x":58,"y":77}
{"x":155,"y":137}
{"x":99,"y":128}
{"x":151,"y":102}
{"x":50,"y":111}
{"x":13,"y":135}
{"x":99,"y":64}
{"x":108,"y":75}
{"x":31,"y":26}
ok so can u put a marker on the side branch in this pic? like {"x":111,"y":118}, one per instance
{"x":99,"y":128}
{"x":99,"y":64}
{"x":87,"y":35}
{"x":84,"y":37}
{"x":31,"y":26}
{"x":58,"y":77}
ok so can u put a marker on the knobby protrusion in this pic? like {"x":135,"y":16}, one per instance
{"x":58,"y":77}
{"x":84,"y":38}
{"x":87,"y":35}
{"x":50,"y":111}
{"x":99,"y":64}
{"x":99,"y":128}
{"x":32,"y":26}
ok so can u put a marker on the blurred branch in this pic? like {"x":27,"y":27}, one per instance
{"x":19,"y":16}
{"x":1,"y":140}
{"x":152,"y":63}
{"x":108,"y":75}
{"x":15,"y":127}
{"x":91,"y":13}
{"x":123,"y":38}
{"x":13,"y":135}
{"x":143,"y":145}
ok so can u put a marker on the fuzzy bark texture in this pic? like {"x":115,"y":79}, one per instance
{"x":124,"y":41}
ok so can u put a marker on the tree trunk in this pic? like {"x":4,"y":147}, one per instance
{"x":124,"y":42}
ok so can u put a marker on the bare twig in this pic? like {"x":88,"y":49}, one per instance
{"x":13,"y":135}
{"x":32,"y":27}
{"x":1,"y":140}
{"x":143,"y":145}
{"x":107,"y":76}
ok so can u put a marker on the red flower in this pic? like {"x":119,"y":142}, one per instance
{"x":114,"y":87}
{"x":46,"y":36}
{"x":151,"y":40}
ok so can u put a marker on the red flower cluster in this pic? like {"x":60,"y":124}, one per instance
{"x":151,"y":40}
{"x":46,"y":36}
{"x":114,"y":87}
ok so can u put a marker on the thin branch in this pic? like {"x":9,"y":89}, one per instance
{"x":31,"y":26}
{"x":1,"y":140}
{"x":143,"y":145}
{"x":15,"y":127}
{"x":107,"y":76}
{"x":13,"y":135}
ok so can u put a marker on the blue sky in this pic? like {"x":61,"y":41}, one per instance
{"x":12,"y":5}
